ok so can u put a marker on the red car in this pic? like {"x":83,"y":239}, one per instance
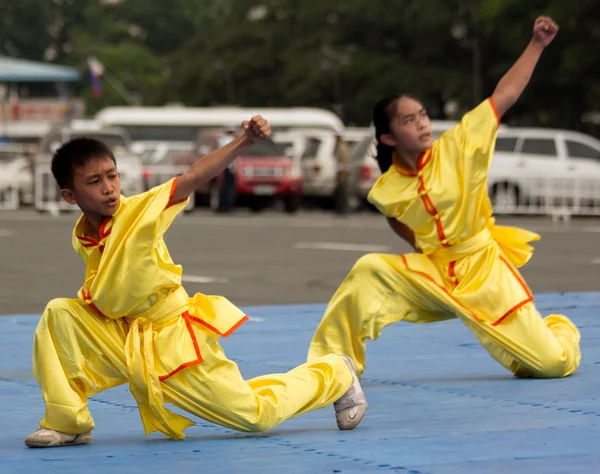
{"x":266,"y":172}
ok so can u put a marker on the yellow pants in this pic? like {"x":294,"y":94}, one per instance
{"x":382,"y":289}
{"x":77,"y":354}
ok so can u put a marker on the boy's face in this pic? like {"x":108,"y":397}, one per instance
{"x":96,"y":187}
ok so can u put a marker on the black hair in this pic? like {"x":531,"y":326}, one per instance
{"x":382,"y":114}
{"x":75,"y":154}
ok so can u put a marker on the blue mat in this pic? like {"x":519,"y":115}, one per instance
{"x":438,"y":404}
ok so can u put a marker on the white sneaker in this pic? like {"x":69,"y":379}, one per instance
{"x":352,"y":406}
{"x":45,"y":438}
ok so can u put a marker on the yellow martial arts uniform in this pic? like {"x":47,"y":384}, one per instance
{"x":467,"y":268}
{"x":134,"y":322}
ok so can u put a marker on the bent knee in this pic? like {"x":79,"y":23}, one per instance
{"x":553,"y":366}
{"x":368,"y":263}
{"x":57,"y":305}
{"x":59,"y":311}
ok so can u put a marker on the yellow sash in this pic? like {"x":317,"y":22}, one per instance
{"x":513,"y":241}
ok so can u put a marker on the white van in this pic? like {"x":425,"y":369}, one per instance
{"x":319,"y":164}
{"x":147,"y":125}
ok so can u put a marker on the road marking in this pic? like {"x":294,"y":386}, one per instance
{"x":6,"y":233}
{"x":203,"y":279}
{"x":342,"y":246}
{"x":596,"y":261}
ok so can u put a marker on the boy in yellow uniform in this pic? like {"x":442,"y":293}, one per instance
{"x":134,"y":322}
{"x":434,"y":195}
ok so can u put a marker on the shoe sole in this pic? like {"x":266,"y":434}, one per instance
{"x":77,"y":441}
{"x":356,"y":421}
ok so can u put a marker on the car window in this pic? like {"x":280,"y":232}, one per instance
{"x":312,"y":147}
{"x":539,"y":146}
{"x":579,"y":150}
{"x":506,"y":144}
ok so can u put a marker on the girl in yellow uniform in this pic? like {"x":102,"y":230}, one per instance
{"x":435,"y":197}
{"x":134,"y":322}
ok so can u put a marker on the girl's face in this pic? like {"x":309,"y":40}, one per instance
{"x":410,"y":127}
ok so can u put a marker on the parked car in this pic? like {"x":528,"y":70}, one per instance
{"x":533,"y":165}
{"x":319,"y":149}
{"x":266,"y":172}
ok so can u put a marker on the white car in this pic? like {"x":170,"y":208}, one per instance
{"x":544,"y":168}
{"x":319,"y":165}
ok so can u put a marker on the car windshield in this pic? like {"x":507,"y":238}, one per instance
{"x":267,"y":148}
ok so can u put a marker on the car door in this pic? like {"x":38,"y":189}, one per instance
{"x":311,"y":169}
{"x":542,"y":173}
{"x":584,"y":163}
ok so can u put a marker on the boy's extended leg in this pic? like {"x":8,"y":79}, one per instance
{"x":76,"y":354}
{"x":215,"y":391}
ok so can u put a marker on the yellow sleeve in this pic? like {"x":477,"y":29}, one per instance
{"x":473,"y":139}
{"x":152,"y":212}
{"x":383,"y":195}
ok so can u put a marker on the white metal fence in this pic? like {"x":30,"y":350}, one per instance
{"x":560,"y":198}
{"x":557,"y":197}
{"x":9,"y":197}
{"x":47,"y":196}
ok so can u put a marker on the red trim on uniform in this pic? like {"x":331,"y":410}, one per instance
{"x":424,"y":159}
{"x":186,"y":317}
{"x":529,"y":298}
{"x":101,"y":231}
{"x":496,"y":114}
{"x":512,"y":310}
{"x":172,"y":193}
{"x":452,"y":272}
{"x":181,"y":367}
{"x":215,"y":330}
{"x":516,"y":275}
{"x":429,"y":277}
{"x":88,"y":297}
{"x":87,"y":241}
{"x":427,"y":203}
{"x":420,"y":163}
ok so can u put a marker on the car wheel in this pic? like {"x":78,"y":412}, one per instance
{"x":505,"y":196}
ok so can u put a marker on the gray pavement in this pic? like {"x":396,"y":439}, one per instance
{"x":265,"y":259}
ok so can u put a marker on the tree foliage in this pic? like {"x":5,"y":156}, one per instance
{"x":337,"y":55}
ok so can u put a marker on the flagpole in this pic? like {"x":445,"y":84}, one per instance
{"x":120,"y":89}
{"x":99,"y":71}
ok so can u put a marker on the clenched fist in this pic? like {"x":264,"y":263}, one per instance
{"x":544,"y":30}
{"x":256,"y":129}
